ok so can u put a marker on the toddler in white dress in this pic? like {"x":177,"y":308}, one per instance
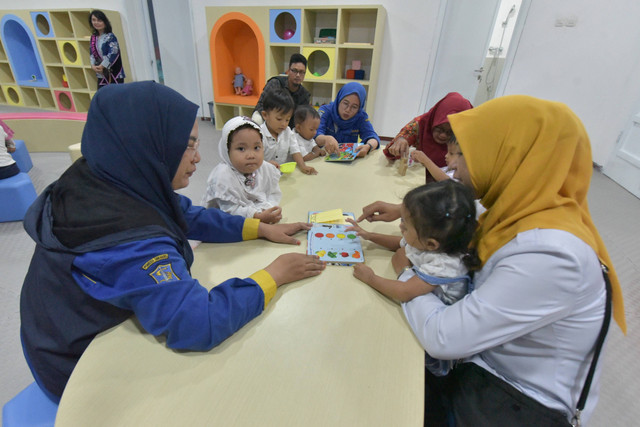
{"x":243,"y":183}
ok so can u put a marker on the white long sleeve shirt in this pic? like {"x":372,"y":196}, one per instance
{"x":226,"y":190}
{"x":280,"y":149}
{"x":532,"y":319}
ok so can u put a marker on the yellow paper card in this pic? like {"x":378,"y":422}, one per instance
{"x":333,"y":216}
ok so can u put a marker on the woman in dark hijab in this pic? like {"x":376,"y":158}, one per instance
{"x":112,"y":229}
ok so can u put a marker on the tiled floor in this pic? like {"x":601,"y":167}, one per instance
{"x":614,"y":210}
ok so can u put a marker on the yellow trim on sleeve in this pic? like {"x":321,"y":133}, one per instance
{"x":250,"y":229}
{"x":266,"y":282}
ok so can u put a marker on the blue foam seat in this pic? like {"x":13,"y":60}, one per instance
{"x":21,"y":156}
{"x":17,"y":193}
{"x":29,"y":408}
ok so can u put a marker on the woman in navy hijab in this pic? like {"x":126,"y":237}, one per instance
{"x":112,"y":229}
{"x":344,"y":120}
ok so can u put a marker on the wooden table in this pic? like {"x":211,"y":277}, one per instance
{"x":327,"y":351}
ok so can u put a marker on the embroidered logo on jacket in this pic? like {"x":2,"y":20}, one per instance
{"x":154,"y":260}
{"x":164,"y":273}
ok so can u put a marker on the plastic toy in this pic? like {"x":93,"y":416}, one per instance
{"x":248,"y":87}
{"x":287,"y":34}
{"x":287,"y":167}
{"x":238,"y":81}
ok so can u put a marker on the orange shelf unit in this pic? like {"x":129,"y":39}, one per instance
{"x":236,"y":41}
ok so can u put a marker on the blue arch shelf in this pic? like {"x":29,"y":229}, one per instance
{"x":22,"y":52}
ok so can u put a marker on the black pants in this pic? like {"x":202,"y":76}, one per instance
{"x":9,"y":171}
{"x":472,"y":397}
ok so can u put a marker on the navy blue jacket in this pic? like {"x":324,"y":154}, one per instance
{"x":109,"y":255}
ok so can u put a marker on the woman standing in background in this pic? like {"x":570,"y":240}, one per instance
{"x":105,"y":51}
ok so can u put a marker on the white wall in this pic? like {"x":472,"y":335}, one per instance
{"x":593,"y":67}
{"x":406,"y":50}
{"x":177,"y":50}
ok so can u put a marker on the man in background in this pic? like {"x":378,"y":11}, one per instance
{"x":292,"y":82}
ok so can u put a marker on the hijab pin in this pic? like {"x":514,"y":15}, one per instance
{"x":250,"y":180}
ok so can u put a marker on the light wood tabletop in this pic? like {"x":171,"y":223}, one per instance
{"x":327,"y":351}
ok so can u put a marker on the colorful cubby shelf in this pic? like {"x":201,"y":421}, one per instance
{"x":355,"y":37}
{"x":44,"y":58}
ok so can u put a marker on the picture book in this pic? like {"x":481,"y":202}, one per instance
{"x":329,"y":240}
{"x":346,"y":154}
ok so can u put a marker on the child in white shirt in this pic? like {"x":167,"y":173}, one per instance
{"x":244,"y":184}
{"x":279,"y":141}
{"x":307,"y":120}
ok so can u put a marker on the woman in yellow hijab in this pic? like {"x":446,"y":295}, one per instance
{"x":539,"y":301}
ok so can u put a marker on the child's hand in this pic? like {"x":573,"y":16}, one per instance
{"x":419,"y":156}
{"x":282,"y":233}
{"x":270,"y":216}
{"x":291,"y":267}
{"x":308,"y":170}
{"x":355,"y":227}
{"x":363,"y":273}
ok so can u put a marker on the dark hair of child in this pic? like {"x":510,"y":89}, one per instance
{"x":101,"y":16}
{"x":445,"y":211}
{"x":279,"y":100}
{"x":298,"y":58}
{"x":304,"y":112}
{"x":244,"y":126}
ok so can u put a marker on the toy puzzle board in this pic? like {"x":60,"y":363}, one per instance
{"x":333,"y":244}
{"x":346,"y":154}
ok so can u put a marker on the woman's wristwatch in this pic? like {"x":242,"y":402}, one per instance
{"x":370,"y":147}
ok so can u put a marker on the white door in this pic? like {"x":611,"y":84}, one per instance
{"x":624,"y":164}
{"x":462,"y":47}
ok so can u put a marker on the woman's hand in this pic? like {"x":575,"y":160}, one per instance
{"x":11,"y":146}
{"x":399,"y":261}
{"x":331,"y":145}
{"x":290,"y":267}
{"x":282,"y":233}
{"x":270,"y":216}
{"x":363,"y":150}
{"x":380,"y":211}
{"x":399,"y":147}
{"x":367,"y":147}
{"x":355,"y":227}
